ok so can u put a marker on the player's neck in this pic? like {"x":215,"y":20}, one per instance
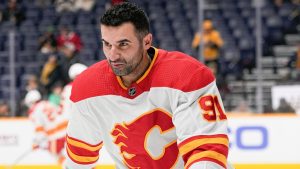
{"x":138,"y":72}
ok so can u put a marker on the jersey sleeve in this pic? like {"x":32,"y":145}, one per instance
{"x":83,"y":140}
{"x":201,"y":127}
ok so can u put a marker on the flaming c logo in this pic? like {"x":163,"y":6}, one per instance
{"x":135,"y":139}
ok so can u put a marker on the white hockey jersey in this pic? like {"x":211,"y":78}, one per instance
{"x":172,"y":117}
{"x":50,"y":126}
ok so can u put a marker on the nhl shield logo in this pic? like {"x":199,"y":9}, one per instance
{"x":132,"y":91}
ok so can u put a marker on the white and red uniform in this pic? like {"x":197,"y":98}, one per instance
{"x":50,"y":127}
{"x":172,"y":117}
{"x":74,"y":71}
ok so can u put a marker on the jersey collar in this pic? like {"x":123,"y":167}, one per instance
{"x":153,"y":55}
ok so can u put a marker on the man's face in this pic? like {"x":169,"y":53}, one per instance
{"x":122,"y":48}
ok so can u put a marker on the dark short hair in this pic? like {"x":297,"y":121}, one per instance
{"x":127,"y":12}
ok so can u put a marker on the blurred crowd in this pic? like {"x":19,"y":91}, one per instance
{"x":61,"y":52}
{"x":59,"y":47}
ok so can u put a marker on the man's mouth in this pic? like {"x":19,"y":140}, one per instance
{"x":117,"y":65}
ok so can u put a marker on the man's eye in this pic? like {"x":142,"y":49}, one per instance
{"x":106,"y":44}
{"x":123,"y":44}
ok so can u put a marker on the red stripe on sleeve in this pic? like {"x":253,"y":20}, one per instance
{"x":220,"y":148}
{"x":91,"y":145}
{"x":83,"y":152}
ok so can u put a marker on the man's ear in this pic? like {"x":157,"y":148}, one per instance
{"x":148,"y":41}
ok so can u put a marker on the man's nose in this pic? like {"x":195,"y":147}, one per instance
{"x":114,"y":54}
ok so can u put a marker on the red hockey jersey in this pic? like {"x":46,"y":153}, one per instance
{"x":172,"y":117}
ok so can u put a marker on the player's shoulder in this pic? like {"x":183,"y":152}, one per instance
{"x":181,"y":71}
{"x":91,"y":82}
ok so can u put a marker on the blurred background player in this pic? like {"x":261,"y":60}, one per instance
{"x":49,"y":123}
{"x":73,"y":72}
{"x":50,"y":117}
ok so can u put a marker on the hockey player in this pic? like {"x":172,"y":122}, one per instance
{"x":50,"y":124}
{"x":151,"y":108}
{"x":73,"y":72}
